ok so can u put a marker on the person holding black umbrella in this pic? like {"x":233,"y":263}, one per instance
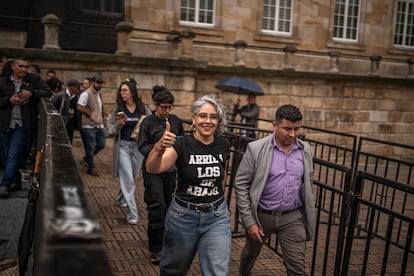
{"x":247,"y":114}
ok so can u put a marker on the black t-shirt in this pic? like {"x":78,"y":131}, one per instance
{"x":201,"y":168}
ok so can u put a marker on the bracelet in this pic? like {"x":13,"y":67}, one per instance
{"x":159,"y":150}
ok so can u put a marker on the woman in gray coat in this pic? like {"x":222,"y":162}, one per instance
{"x":127,"y":159}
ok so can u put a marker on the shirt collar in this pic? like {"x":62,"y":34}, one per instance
{"x":296,"y":145}
{"x":13,"y":79}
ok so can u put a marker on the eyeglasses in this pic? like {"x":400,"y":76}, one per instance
{"x":123,"y":90}
{"x":165,"y":107}
{"x":205,"y":116}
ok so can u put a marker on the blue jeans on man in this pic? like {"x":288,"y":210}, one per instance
{"x":94,"y":143}
{"x":13,"y":148}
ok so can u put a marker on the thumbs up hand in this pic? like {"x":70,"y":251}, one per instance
{"x":168,"y":138}
{"x":167,"y":126}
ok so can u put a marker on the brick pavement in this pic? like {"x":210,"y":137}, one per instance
{"x":127,"y":244}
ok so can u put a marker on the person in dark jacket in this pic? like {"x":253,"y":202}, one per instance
{"x":19,"y":96}
{"x":66,"y":103}
{"x":158,"y":187}
{"x":248,"y":114}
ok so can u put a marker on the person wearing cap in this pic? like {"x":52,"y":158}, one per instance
{"x":66,"y":103}
{"x":90,"y":104}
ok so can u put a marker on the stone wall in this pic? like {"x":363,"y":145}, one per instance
{"x":156,"y":29}
{"x":370,"y":106}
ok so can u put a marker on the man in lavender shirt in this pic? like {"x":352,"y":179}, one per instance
{"x":274,"y":193}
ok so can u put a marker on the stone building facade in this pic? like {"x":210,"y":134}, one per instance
{"x":362,"y":87}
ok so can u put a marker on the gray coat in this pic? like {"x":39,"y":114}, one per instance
{"x":114,"y":131}
{"x":252,"y":175}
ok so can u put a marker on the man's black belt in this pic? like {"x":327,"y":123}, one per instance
{"x":275,"y":213}
{"x":201,"y":207}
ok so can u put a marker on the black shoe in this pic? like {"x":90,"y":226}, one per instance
{"x":155,"y":258}
{"x":15,"y":187}
{"x":4,"y":192}
{"x":92,"y":172}
{"x":83,"y":162}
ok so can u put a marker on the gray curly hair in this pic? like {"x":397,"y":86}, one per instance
{"x":215,"y":101}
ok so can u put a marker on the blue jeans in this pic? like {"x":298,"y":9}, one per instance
{"x":188,"y":231}
{"x":94,"y":143}
{"x":129,"y":165}
{"x":13,"y":149}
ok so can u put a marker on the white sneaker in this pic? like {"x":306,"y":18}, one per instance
{"x":133,"y":221}
{"x":122,"y":204}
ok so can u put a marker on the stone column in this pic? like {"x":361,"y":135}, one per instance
{"x":289,"y":50}
{"x":187,"y":37}
{"x":375,"y":64}
{"x":334,"y":61}
{"x":51,"y":23}
{"x":240,"y":52}
{"x":123,"y":28}
{"x":410,"y":62}
{"x":174,"y":40}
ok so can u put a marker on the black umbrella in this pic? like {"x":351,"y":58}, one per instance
{"x":26,"y":237}
{"x":239,"y":86}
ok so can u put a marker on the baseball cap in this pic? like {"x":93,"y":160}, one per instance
{"x":72,"y":83}
{"x":98,"y":79}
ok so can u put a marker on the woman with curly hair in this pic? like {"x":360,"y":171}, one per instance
{"x":198,"y":219}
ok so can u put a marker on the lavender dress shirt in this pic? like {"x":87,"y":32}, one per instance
{"x":282,"y":191}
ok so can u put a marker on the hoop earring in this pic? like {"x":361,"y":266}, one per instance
{"x":193,"y":127}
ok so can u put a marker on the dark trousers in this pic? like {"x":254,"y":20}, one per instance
{"x":70,"y":128}
{"x":291,"y":233}
{"x":158,"y":194}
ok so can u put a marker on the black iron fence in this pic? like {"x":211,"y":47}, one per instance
{"x":364,"y":202}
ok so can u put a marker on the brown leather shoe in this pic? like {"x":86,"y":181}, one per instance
{"x":92,"y":172}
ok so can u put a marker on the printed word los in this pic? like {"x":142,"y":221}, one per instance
{"x":208,"y":172}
